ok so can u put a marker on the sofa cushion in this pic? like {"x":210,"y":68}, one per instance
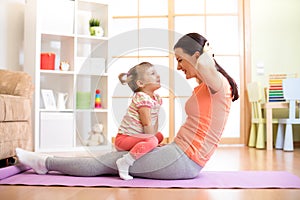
{"x":16,"y":83}
{"x":14,"y":108}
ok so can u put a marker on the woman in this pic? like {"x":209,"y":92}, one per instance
{"x":207,"y":111}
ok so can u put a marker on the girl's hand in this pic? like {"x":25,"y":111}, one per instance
{"x":149,"y":130}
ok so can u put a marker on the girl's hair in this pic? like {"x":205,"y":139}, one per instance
{"x":134,"y":74}
{"x":192,"y":42}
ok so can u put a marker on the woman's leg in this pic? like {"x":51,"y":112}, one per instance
{"x":86,"y":166}
{"x":166,"y":162}
{"x":76,"y":166}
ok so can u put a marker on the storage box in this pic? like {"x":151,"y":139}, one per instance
{"x":48,"y":61}
{"x":57,"y":130}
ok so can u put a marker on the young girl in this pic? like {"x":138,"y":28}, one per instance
{"x":138,"y":130}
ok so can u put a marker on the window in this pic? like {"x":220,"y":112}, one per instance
{"x":147,"y":30}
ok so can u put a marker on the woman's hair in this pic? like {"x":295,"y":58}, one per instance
{"x":134,"y":74}
{"x":189,"y":46}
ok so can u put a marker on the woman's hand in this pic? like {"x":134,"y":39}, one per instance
{"x":206,"y":60}
{"x":208,"y":72}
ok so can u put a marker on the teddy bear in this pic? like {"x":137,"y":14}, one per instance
{"x":96,"y":135}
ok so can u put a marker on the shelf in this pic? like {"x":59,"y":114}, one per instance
{"x":101,"y":110}
{"x":103,"y":74}
{"x":62,"y":28}
{"x":92,"y":5}
{"x":91,"y":39}
{"x":52,"y":111}
{"x":55,"y":36}
{"x":57,"y":72}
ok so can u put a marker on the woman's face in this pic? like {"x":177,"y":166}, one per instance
{"x":187,"y":63}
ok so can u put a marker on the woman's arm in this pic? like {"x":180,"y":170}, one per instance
{"x":208,"y":72}
{"x":145,"y":117}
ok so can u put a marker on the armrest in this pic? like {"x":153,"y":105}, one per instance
{"x":16,"y":83}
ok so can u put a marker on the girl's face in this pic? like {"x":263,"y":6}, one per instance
{"x":187,"y":63}
{"x":151,"y":79}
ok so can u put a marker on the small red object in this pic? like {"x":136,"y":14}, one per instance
{"x":47,"y":61}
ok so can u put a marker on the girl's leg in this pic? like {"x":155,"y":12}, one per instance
{"x":159,"y":137}
{"x":126,"y":142}
{"x":138,"y":145}
{"x":143,"y":147}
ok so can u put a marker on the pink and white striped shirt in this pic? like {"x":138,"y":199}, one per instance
{"x":131,"y":123}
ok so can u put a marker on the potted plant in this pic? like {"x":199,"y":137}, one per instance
{"x":95,"y":28}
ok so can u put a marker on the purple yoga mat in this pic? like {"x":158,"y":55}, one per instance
{"x":206,"y":179}
{"x":12,"y":170}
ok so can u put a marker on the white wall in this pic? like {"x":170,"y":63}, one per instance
{"x":11,"y":34}
{"x":275,"y":41}
{"x":275,"y":30}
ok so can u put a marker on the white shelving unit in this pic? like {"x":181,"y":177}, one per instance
{"x":62,"y":27}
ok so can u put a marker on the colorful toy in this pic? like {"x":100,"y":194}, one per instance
{"x":98,"y":99}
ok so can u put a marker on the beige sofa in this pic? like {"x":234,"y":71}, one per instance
{"x":16,"y":91}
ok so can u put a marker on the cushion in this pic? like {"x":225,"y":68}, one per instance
{"x":14,"y":108}
{"x":16,"y":83}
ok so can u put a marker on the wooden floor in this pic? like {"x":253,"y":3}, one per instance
{"x":225,"y":159}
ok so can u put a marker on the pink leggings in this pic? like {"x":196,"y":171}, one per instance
{"x":137,"y":144}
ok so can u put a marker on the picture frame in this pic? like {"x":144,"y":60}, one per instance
{"x":48,"y":99}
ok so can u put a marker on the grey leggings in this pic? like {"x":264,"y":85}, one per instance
{"x":167,"y":162}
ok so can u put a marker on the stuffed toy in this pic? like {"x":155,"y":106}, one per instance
{"x":96,"y":135}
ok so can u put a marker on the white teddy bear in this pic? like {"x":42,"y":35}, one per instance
{"x":96,"y":136}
